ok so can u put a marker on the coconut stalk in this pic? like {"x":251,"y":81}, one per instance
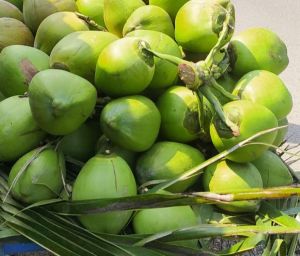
{"x":90,"y":22}
{"x":201,"y":76}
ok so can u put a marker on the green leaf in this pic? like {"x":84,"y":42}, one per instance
{"x":146,"y":201}
{"x":292,"y":211}
{"x":36,"y":236}
{"x":48,"y":232}
{"x":280,"y":218}
{"x":275,"y":248}
{"x":243,"y":246}
{"x":125,"y":203}
{"x":217,"y":230}
{"x":62,"y":237}
{"x":6,"y":232}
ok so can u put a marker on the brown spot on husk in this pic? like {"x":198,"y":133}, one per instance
{"x":187,"y":74}
{"x":191,"y":121}
{"x":28,"y":70}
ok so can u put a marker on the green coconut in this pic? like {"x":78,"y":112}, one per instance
{"x":35,"y":11}
{"x":19,"y":133}
{"x":165,"y":73}
{"x":153,"y":221}
{"x":18,"y":65}
{"x":78,"y":52}
{"x":105,"y":177}
{"x":39,"y":180}
{"x":179,"y":110}
{"x":167,"y":160}
{"x":249,"y":119}
{"x":131,"y":122}
{"x":2,"y":97}
{"x":281,"y":134}
{"x":93,"y":9}
{"x":256,"y":87}
{"x":14,"y":32}
{"x":170,"y":6}
{"x":228,"y":177}
{"x":198,"y":25}
{"x":9,"y":10}
{"x":106,"y":147}
{"x":273,"y":170}
{"x":180,"y":118}
{"x":81,"y":144}
{"x":61,"y":101}
{"x":123,"y":68}
{"x":149,"y":17}
{"x":116,"y":13}
{"x":55,"y":27}
{"x":17,"y":3}
{"x":257,"y":49}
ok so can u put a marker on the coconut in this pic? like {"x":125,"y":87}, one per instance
{"x":35,"y":11}
{"x":61,"y":101}
{"x":93,"y":9}
{"x":273,"y":170}
{"x":14,"y":32}
{"x":180,"y":118}
{"x":9,"y":10}
{"x":123,"y":68}
{"x":17,"y":3}
{"x":55,"y":27}
{"x":78,"y":52}
{"x":257,"y":49}
{"x":19,"y":133}
{"x":39,"y":180}
{"x":2,"y":97}
{"x":81,"y":144}
{"x":116,"y":12}
{"x":229,"y":177}
{"x":167,"y":160}
{"x":256,"y":87}
{"x":281,"y":134}
{"x":249,"y":119}
{"x":106,"y":147}
{"x":165,"y":73}
{"x":105,"y":177}
{"x":18,"y":65}
{"x":198,"y":25}
{"x":153,"y":221}
{"x":179,"y":109}
{"x":131,"y":122}
{"x":149,"y":17}
{"x":170,"y":6}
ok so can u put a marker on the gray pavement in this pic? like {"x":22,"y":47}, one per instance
{"x":282,"y":17}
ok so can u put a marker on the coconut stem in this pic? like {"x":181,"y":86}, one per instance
{"x":188,"y":72}
{"x":221,"y":90}
{"x":228,"y":28}
{"x":205,"y":90}
{"x":170,"y":58}
{"x":90,"y":22}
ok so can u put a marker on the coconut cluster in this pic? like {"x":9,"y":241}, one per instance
{"x":92,"y":106}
